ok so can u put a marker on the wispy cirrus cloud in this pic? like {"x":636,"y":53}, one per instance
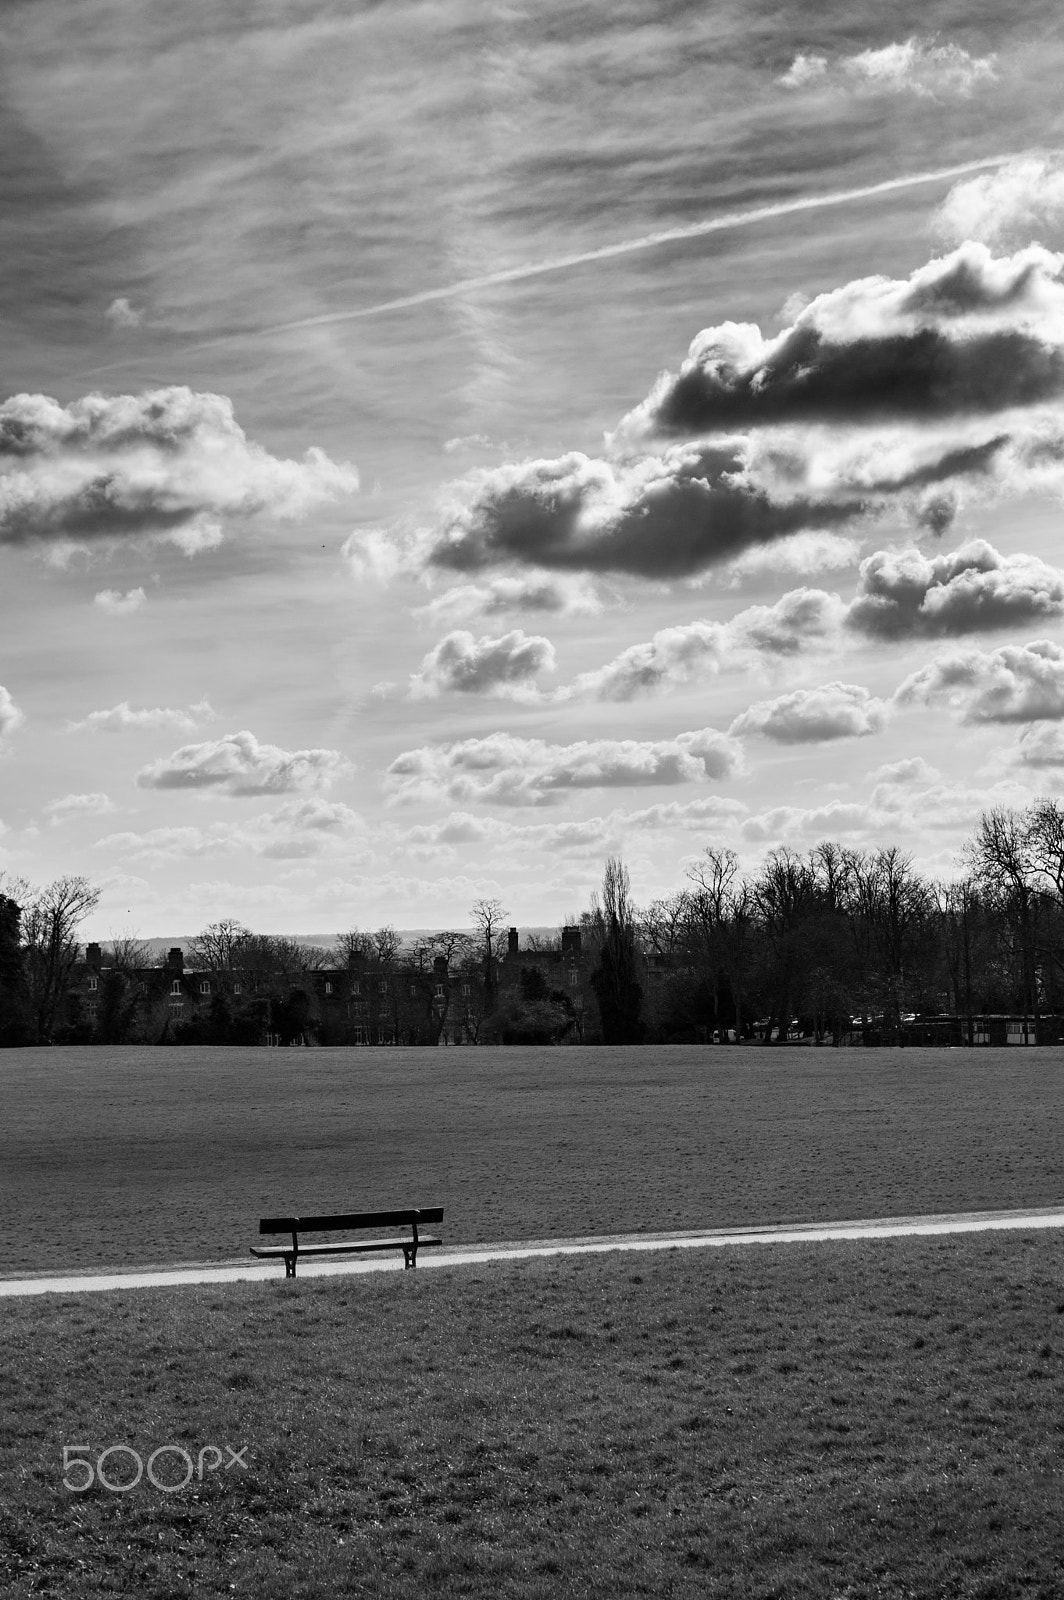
{"x":504,"y":769}
{"x":168,"y":463}
{"x":238,"y":765}
{"x":295,"y":831}
{"x":557,"y":594}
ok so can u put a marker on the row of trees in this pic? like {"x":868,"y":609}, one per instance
{"x":831,"y":936}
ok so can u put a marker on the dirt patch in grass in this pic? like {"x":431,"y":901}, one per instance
{"x":867,"y":1420}
{"x":116,"y":1157}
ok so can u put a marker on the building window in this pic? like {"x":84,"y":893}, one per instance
{"x":328,"y":988}
{"x":574,"y":977}
{"x":413,"y":991}
{"x":360,"y":1035}
{"x":176,"y":1008}
{"x":380,"y":1036}
{"x":382,"y":989}
{"x":356,"y":987}
{"x":94,"y":983}
{"x":236,"y":988}
{"x":466,"y":989}
{"x":92,"y":1009}
{"x":175,"y":987}
{"x":440,"y":992}
{"x":205,"y":987}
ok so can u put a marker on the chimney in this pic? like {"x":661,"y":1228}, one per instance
{"x":175,"y":959}
{"x":94,"y":956}
{"x":511,"y":942}
{"x":571,"y":941}
{"x":439,"y":969}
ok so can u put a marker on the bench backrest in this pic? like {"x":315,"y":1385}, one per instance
{"x":351,"y":1219}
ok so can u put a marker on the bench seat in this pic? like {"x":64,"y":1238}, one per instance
{"x":349,"y":1247}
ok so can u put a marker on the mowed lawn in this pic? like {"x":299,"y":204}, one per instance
{"x":114,"y":1157}
{"x":872,"y":1420}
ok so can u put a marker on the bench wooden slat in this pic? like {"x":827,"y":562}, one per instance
{"x":358,"y":1246}
{"x":351,"y":1219}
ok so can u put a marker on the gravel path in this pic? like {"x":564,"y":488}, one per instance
{"x":525,"y":1249}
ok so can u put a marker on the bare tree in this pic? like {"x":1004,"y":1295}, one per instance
{"x":50,"y":920}
{"x":488,"y":917}
{"x":614,"y":980}
{"x":221,"y":947}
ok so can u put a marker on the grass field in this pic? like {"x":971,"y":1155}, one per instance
{"x":117,"y":1157}
{"x":878,"y":1420}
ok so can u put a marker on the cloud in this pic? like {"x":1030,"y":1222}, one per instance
{"x":664,"y":516}
{"x":915,"y":66}
{"x":909,"y":770}
{"x":508,"y":770}
{"x":168,"y":463}
{"x":801,"y":555}
{"x":783,"y":823}
{"x":684,"y":654}
{"x":237,"y":764}
{"x":117,"y":604}
{"x":463,"y":665}
{"x":10,"y":715}
{"x":1042,"y":745}
{"x":967,"y":334}
{"x":906,"y":594}
{"x":120,"y":718}
{"x":1018,"y":683}
{"x":808,"y":716}
{"x":1021,"y":202}
{"x":79,"y":805}
{"x":561,"y":595}
{"x":296,"y":831}
{"x":120,"y":314}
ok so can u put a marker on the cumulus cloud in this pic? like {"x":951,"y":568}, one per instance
{"x":808,"y":716}
{"x":903,"y":395}
{"x":557,"y":594}
{"x":909,"y":770}
{"x":122,"y":717}
{"x":168,"y":463}
{"x":10,"y":715}
{"x":1015,"y":204}
{"x":907,"y":594}
{"x":801,"y":555}
{"x":663,"y":516}
{"x":967,"y":334}
{"x":914,"y":66}
{"x":1017,"y":683}
{"x":508,"y":770}
{"x":79,"y":805}
{"x":237,"y":764}
{"x":117,"y":604}
{"x":121,"y":314}
{"x":462,"y":664}
{"x":675,"y":656}
{"x":1042,"y":745}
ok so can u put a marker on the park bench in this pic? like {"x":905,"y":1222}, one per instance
{"x":411,"y":1219}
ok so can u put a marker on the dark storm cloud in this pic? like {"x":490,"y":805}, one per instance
{"x":665,"y":517}
{"x":966,"y":335}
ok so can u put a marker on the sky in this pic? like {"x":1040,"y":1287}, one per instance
{"x":444,"y":444}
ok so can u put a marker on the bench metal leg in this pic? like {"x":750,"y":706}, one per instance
{"x":409,"y":1256}
{"x":289,"y":1266}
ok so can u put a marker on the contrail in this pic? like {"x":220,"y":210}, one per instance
{"x":646,"y":241}
{"x":606,"y":252}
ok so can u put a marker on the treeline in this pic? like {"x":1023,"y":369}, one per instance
{"x":834,"y":940}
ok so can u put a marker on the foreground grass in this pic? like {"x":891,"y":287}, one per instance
{"x":863,"y":1420}
{"x":110,"y":1158}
